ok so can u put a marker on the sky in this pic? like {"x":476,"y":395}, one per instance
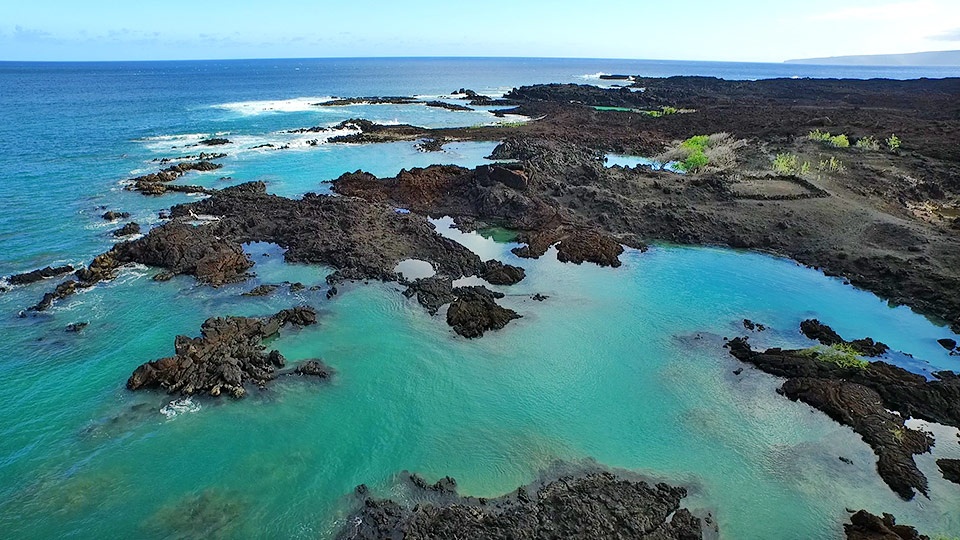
{"x":733,"y":30}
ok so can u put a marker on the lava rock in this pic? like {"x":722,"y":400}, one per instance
{"x":34,"y":276}
{"x":228,"y":355}
{"x":950,"y":469}
{"x":595,"y":505}
{"x":127,"y":230}
{"x":866,"y":526}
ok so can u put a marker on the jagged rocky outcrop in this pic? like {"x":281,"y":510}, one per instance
{"x":950,"y":469}
{"x":34,"y":276}
{"x":866,"y":526}
{"x":498,"y":273}
{"x":158,"y":183}
{"x":127,"y":230}
{"x":227,"y":356}
{"x":178,"y":248}
{"x":595,"y":505}
{"x":814,"y":329}
{"x":473,"y":310}
{"x":111,"y":215}
{"x":506,"y":195}
{"x":861,"y":397}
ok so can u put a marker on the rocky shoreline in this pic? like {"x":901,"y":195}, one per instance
{"x":862,"y":396}
{"x":882,"y":218}
{"x":590,"y":505}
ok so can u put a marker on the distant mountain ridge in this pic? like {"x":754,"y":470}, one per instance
{"x":931,"y":58}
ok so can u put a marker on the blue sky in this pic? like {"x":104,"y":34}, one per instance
{"x":746,"y":30}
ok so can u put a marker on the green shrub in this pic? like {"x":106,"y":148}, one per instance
{"x":833,"y":165}
{"x":842,"y":355}
{"x":786,"y":164}
{"x":819,"y":136}
{"x":695,"y":161}
{"x":868,"y":143}
{"x":790,"y":164}
{"x":893,"y":143}
{"x":840,"y":141}
{"x":697,"y":142}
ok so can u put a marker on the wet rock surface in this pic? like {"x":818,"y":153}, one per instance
{"x":475,"y":311}
{"x":314,"y":368}
{"x":596,"y":505}
{"x":262,"y":290}
{"x":111,"y":215}
{"x":127,"y":230}
{"x":159,"y":183}
{"x":861,"y":397}
{"x":34,"y":276}
{"x":866,"y":526}
{"x":498,"y":273}
{"x":227,"y":356}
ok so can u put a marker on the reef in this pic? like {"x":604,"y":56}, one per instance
{"x":593,"y":505}
{"x":227,"y":356}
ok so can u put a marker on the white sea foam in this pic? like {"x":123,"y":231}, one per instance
{"x":594,"y":76}
{"x":179,"y":406}
{"x":250,"y":108}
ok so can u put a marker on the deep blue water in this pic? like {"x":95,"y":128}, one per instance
{"x":607,"y":368}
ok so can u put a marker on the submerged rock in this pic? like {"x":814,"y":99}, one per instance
{"x":228,"y":355}
{"x":595,"y":505}
{"x":314,"y":368}
{"x":262,"y":290}
{"x":76,"y":327}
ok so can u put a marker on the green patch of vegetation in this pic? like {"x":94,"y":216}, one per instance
{"x":694,"y":162}
{"x":893,"y":143}
{"x":696,"y":143}
{"x":840,"y":354}
{"x":819,"y":136}
{"x":717,"y":151}
{"x":840,"y":141}
{"x":898,"y":434}
{"x":832,"y":165}
{"x":868,"y":143}
{"x":790,"y":164}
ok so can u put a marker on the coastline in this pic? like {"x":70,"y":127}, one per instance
{"x":556,"y":192}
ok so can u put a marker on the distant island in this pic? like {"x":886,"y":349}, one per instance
{"x":931,"y":58}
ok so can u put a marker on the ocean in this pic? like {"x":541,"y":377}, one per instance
{"x":623,"y":367}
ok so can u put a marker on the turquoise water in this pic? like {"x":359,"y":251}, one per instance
{"x":609,"y":367}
